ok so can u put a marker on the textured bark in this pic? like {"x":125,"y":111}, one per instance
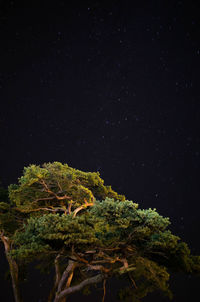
{"x":57,"y":279}
{"x":69,"y":280}
{"x":65,"y":275}
{"x":60,"y":280}
{"x":76,"y":288}
{"x":82,"y":207}
{"x":14,"y":277}
{"x":13,"y":269}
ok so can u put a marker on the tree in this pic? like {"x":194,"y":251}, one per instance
{"x":90,"y":233}
{"x":10,"y":221}
{"x":52,"y":188}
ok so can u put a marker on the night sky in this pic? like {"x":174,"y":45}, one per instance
{"x":108,"y":86}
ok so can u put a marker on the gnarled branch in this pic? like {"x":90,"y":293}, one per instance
{"x":48,"y":190}
{"x":82,"y":207}
{"x":65,"y":275}
{"x":76,"y":288}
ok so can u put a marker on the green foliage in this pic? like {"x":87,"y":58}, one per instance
{"x":8,"y":222}
{"x":147,"y":277}
{"x":56,"y":210}
{"x":108,"y":223}
{"x":43,"y":186}
{"x":119,"y":220}
{"x":52,"y":232}
{"x":8,"y":216}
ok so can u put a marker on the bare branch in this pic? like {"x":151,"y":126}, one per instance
{"x":5,"y":241}
{"x":47,"y":189}
{"x":76,"y":288}
{"x":98,"y":268}
{"x":79,"y":258}
{"x":69,"y":280}
{"x":90,"y":252}
{"x":65,"y":275}
{"x":44,"y":198}
{"x":82,"y":207}
{"x":42,"y":209}
{"x":57,"y":279}
{"x":125,"y":262}
{"x":69,"y":206}
{"x":133,"y":281}
{"x":57,"y":269}
{"x":59,"y":186}
{"x":104,"y":290}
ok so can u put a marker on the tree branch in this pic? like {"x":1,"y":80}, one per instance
{"x":44,"y":198}
{"x":133,"y":281}
{"x":42,"y":209}
{"x":47,"y":189}
{"x":57,"y":278}
{"x":98,"y":268}
{"x":69,"y":207}
{"x":65,"y":275}
{"x":57,"y":270}
{"x":75,"y":288}
{"x":104,"y":290}
{"x":82,"y":207}
{"x":69,"y":280}
{"x":5,"y":241}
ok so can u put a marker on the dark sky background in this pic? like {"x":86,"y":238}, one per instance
{"x":108,"y":86}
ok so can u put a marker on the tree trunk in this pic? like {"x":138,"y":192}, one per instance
{"x":57,"y":279}
{"x":80,"y":286}
{"x":14,"y":277}
{"x":13,"y":269}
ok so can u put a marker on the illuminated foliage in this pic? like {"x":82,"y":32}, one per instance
{"x":90,"y":233}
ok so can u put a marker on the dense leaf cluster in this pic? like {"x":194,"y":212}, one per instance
{"x":140,"y":236}
{"x":65,"y":215}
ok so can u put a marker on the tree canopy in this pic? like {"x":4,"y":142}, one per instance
{"x":90,"y":233}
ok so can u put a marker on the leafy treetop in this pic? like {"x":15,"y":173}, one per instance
{"x":57,"y":187}
{"x":89,"y":232}
{"x":114,"y":237}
